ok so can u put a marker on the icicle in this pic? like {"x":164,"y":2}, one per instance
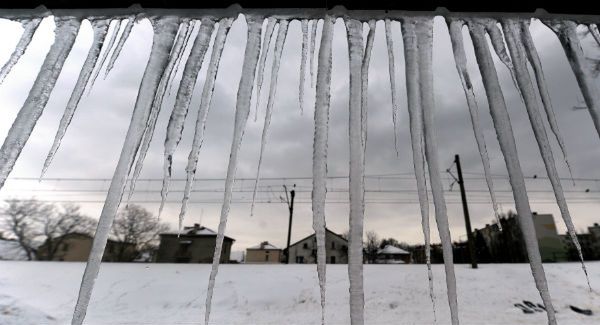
{"x":357,"y":170}
{"x":517,"y":52}
{"x":66,"y":32}
{"x":392,"y":71}
{"x":304,"y":24}
{"x":567,"y":34}
{"x":365,"y":79}
{"x":207,"y":92}
{"x":311,"y":50}
{"x":241,"y":118}
{"x":424,"y":32}
{"x":109,"y":46}
{"x":593,"y":28}
{"x":164,"y":33}
{"x":415,"y":116}
{"x":508,"y":146}
{"x":536,"y":64}
{"x":495,"y":34}
{"x":120,"y":44}
{"x":178,"y":47}
{"x":261,"y":63}
{"x":184,"y":95}
{"x":319,"y":165}
{"x":279,"y":43}
{"x":29,"y":28}
{"x":100,"y":28}
{"x":189,"y":28}
{"x":455,"y":29}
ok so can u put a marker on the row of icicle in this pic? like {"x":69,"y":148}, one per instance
{"x":512,"y":43}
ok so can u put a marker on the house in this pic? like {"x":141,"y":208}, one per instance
{"x":589,"y":242}
{"x":392,"y":255}
{"x":76,"y":247}
{"x":304,"y":251}
{"x":195,"y":244}
{"x":264,"y":253}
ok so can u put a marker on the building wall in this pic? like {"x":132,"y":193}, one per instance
{"x":305,"y":251}
{"x":77,"y":248}
{"x":551,"y":245}
{"x":264,"y":256}
{"x":191,"y":249}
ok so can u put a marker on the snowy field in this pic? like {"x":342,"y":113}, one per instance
{"x":45,"y":293}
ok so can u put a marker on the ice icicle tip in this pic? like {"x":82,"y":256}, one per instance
{"x":29,"y":28}
{"x":124,"y":36}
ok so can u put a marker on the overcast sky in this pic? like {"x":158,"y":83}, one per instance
{"x":93,"y":142}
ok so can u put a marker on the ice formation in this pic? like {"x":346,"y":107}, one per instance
{"x":512,"y":43}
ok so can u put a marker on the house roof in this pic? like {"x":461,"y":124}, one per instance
{"x":264,"y":245}
{"x":393,"y":250}
{"x":194,"y":231}
{"x":327,"y":230}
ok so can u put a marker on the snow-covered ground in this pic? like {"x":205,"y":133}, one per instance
{"x":45,"y":293}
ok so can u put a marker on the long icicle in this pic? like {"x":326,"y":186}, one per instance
{"x":320,"y":140}
{"x":189,"y":29}
{"x":508,"y":147}
{"x":164,"y":34}
{"x":155,"y":111}
{"x":567,"y":34}
{"x":271,"y":22}
{"x":109,"y":46}
{"x":29,"y":28}
{"x":120,"y":44}
{"x":32,"y":109}
{"x":205,"y":101}
{"x":354,"y":31}
{"x":365,"y":79}
{"x":458,"y":49}
{"x":279,"y":44}
{"x":497,"y":40}
{"x":178,"y":47}
{"x":536,"y":64}
{"x":185,"y":92}
{"x":242,"y":111}
{"x":392,"y":71}
{"x":304,"y":25}
{"x":311,"y":50}
{"x":512,"y":34}
{"x":424,"y":33}
{"x":415,"y":116}
{"x":100,"y":27}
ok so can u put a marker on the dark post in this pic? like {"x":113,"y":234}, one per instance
{"x":290,"y":203}
{"x":463,"y":195}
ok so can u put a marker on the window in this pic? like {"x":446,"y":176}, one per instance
{"x":305,"y":246}
{"x":332,"y":245}
{"x":300,"y":259}
{"x":65,"y":247}
{"x":266,"y":257}
{"x":332,"y":260}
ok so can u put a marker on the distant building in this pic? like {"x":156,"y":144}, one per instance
{"x":304,"y":251}
{"x":76,"y":247}
{"x":263,"y":253}
{"x":392,"y":255}
{"x":589,"y":242}
{"x":508,"y":246}
{"x":196,"y":244}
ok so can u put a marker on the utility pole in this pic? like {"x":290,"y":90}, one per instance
{"x":289,"y":199}
{"x":463,"y":195}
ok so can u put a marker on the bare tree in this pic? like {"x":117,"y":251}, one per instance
{"x":371,"y":246}
{"x":19,"y":222}
{"x":31,"y":222}
{"x":136,"y":226}
{"x":60,"y":222}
